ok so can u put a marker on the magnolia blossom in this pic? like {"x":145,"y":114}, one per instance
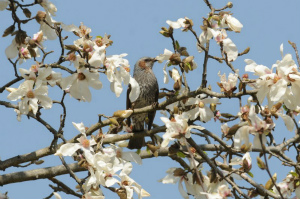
{"x":231,"y":22}
{"x":48,"y":32}
{"x":30,"y":97}
{"x":201,"y":110}
{"x":162,"y":57}
{"x":180,"y":23}
{"x":12,"y":50}
{"x":175,"y":175}
{"x":130,"y":185}
{"x":49,"y":6}
{"x":177,"y":128}
{"x":230,"y":84}
{"x":84,"y":144}
{"x":118,"y":72}
{"x":78,"y":83}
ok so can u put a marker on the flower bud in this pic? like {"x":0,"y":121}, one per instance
{"x":175,"y":59}
{"x":40,"y":16}
{"x":260,"y":163}
{"x":27,"y":12}
{"x":179,"y":172}
{"x":20,"y":37}
{"x":8,"y":30}
{"x":269,"y":185}
{"x":123,"y":113}
{"x":229,"y":4}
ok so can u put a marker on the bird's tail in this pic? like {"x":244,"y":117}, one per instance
{"x":136,"y":142}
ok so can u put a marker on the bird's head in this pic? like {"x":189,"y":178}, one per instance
{"x":145,"y":63}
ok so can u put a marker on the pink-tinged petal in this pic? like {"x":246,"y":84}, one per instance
{"x":12,"y":51}
{"x":45,"y":101}
{"x":116,"y":87}
{"x":68,"y":149}
{"x":66,"y":82}
{"x":231,"y":49}
{"x":261,"y":70}
{"x":98,"y":56}
{"x":135,"y":89}
{"x":278,"y":90}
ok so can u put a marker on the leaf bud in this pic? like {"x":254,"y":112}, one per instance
{"x":229,"y":4}
{"x":27,"y":12}
{"x":175,"y":59}
{"x":123,"y":113}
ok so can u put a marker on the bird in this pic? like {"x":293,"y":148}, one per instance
{"x":149,"y":91}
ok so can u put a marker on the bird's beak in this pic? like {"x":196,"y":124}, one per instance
{"x":154,"y":59}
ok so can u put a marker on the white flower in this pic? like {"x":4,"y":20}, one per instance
{"x":79,"y":83}
{"x":177,"y":24}
{"x":84,"y":144}
{"x":203,"y":38}
{"x":177,"y":128}
{"x":201,"y":109}
{"x":47,"y":76}
{"x":232,"y":23}
{"x":12,"y":50}
{"x":30,"y":98}
{"x":49,"y":7}
{"x":48,"y":32}
{"x":230,"y":84}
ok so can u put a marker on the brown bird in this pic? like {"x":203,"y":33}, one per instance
{"x":147,"y":81}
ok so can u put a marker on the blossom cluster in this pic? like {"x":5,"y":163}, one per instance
{"x":88,"y":56}
{"x":107,"y":166}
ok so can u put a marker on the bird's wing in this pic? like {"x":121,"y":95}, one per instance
{"x":151,"y":114}
{"x":128,"y":103}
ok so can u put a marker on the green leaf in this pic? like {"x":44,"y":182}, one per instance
{"x":138,"y":151}
{"x":294,"y":173}
{"x":177,"y":45}
{"x":250,"y":174}
{"x":180,"y":154}
{"x":99,"y":37}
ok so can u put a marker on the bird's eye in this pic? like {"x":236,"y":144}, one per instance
{"x":147,"y":60}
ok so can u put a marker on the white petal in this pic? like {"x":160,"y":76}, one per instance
{"x":288,"y":121}
{"x":256,"y":141}
{"x":135,"y":89}
{"x":68,"y":149}
{"x":45,"y":101}
{"x":11,"y":51}
{"x":57,"y":196}
{"x":80,"y":127}
{"x":176,"y":24}
{"x":116,"y":87}
{"x":231,"y":49}
{"x":281,"y":50}
{"x":182,"y":191}
{"x":111,"y":181}
{"x":69,"y":28}
{"x":278,"y":90}
{"x":132,"y":157}
{"x":98,"y":57}
{"x":66,"y":82}
{"x":166,"y":76}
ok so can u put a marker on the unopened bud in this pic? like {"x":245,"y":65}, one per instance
{"x":229,"y":4}
{"x":177,"y":85}
{"x":179,"y":172}
{"x":40,"y":16}
{"x":175,"y":59}
{"x":260,"y":163}
{"x":123,"y":113}
{"x":8,"y":30}
{"x":20,"y":37}
{"x":269,"y":185}
{"x":27,"y":12}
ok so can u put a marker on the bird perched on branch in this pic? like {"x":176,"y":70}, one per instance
{"x":146,"y":79}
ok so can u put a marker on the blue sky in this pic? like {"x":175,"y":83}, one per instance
{"x":134,"y":26}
